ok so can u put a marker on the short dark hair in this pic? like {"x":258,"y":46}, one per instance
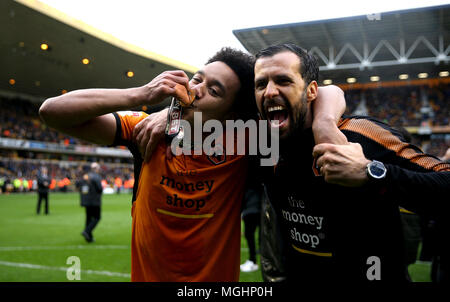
{"x":243,"y":65}
{"x":309,"y":66}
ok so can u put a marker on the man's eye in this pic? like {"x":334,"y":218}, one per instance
{"x":213,"y":92}
{"x":260,"y":85}
{"x":196,"y":80}
{"x":283,"y":81}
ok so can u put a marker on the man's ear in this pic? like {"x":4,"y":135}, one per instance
{"x":312,"y":90}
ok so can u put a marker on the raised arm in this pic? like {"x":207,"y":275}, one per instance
{"x":86,"y":114}
{"x":418,"y":182}
{"x":327,"y":110}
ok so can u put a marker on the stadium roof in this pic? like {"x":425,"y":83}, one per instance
{"x":26,"y":24}
{"x":386,"y":44}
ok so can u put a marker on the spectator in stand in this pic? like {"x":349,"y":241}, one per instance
{"x":118,"y":184}
{"x":17,"y":184}
{"x":43,"y":187}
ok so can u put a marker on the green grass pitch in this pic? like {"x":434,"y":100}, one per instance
{"x":35,"y":248}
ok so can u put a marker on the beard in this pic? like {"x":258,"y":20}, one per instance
{"x":297,"y":118}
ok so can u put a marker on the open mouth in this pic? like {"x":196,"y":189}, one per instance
{"x":277,"y":115}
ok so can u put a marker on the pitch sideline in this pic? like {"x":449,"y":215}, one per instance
{"x":69,"y":247}
{"x":54,"y":268}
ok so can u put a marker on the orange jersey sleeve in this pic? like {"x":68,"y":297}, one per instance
{"x":128,"y":120}
{"x":125,"y":122}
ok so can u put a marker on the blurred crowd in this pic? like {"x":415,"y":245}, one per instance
{"x":20,"y":175}
{"x":437,"y":145}
{"x":403,"y":106}
{"x":20,"y":119}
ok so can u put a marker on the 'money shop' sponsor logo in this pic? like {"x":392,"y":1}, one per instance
{"x":176,"y":201}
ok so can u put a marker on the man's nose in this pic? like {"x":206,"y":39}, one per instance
{"x":199,"y":90}
{"x":271,"y":90}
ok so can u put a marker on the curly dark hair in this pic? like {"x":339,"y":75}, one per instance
{"x":309,"y":66}
{"x":243,"y":65}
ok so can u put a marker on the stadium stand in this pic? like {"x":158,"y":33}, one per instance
{"x":27,"y":144}
{"x":402,"y":106}
{"x":19,"y":119}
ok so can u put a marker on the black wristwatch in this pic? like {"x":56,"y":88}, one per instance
{"x":376,"y":171}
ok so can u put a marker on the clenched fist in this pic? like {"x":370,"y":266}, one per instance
{"x":343,"y":165}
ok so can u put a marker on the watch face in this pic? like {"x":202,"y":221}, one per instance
{"x":377,"y":169}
